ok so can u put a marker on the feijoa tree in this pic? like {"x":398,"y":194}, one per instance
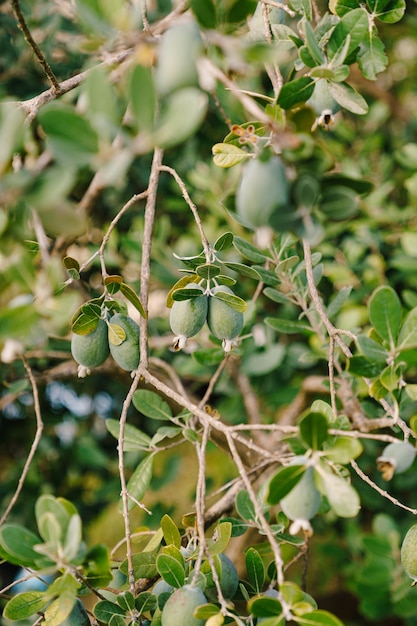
{"x":203,"y":225}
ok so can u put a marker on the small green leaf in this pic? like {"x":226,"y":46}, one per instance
{"x":104,"y":610}
{"x":389,"y":11}
{"x":342,"y":497}
{"x":232,"y":300}
{"x":142,"y":97}
{"x":303,"y":7}
{"x":243,"y":270}
{"x":145,"y":602}
{"x":296,"y":92}
{"x":144,"y":565}
{"x":130,"y":295}
{"x":244,"y":506}
{"x":224,"y":242}
{"x":151,"y":405}
{"x":343,"y":450}
{"x":372,"y":59}
{"x":312,"y":44}
{"x":18,"y":544}
{"x":60,"y":608}
{"x":171,"y":532}
{"x":171,"y":570}
{"x":385,"y":313}
{"x":348,"y":98}
{"x":72,"y":266}
{"x":85,"y":324}
{"x":140,"y":480}
{"x":23,"y":605}
{"x":248,"y":250}
{"x":283,"y":482}
{"x":264,"y":606}
{"x":134,"y":439}
{"x":182,"y":114}
{"x":287,"y":327}
{"x":313,"y":430}
{"x":319,"y":617}
{"x":372,"y":350}
{"x":227,"y":155}
{"x":208,"y":271}
{"x":407,"y":338}
{"x":255,"y":569}
{"x":116,"y":333}
{"x":221,"y":538}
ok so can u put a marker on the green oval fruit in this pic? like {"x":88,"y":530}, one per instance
{"x":263,"y":189}
{"x":126,"y":354}
{"x":93,"y":349}
{"x":322,"y":100}
{"x":303,"y":501}
{"x":179,"y":49}
{"x":78,"y":616}
{"x":409,"y":553}
{"x":229,"y":579}
{"x":224,"y":322}
{"x":187,"y":317}
{"x":397,"y":457}
{"x":180,"y":606}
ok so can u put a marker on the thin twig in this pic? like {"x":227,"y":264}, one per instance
{"x":35,"y":443}
{"x":193,"y":208}
{"x":381,"y":491}
{"x":200,"y":499}
{"x":36,"y":50}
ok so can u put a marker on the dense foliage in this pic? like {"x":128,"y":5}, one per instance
{"x":208,"y":317}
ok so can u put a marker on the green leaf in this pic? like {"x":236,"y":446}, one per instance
{"x":243,"y":270}
{"x":361,"y":366}
{"x":170,"y":531}
{"x":239,"y":527}
{"x":283,"y":482}
{"x":348,"y":98}
{"x":244,"y":506}
{"x":23,"y":605}
{"x":205,"y":12}
{"x":144,"y":565}
{"x":287,"y":327}
{"x":85,"y":324}
{"x":343,"y":450}
{"x":353,"y":24}
{"x":73,"y":538}
{"x":140,"y":480}
{"x":342,"y":497}
{"x":339,"y":202}
{"x":151,"y":405}
{"x":312,"y":45}
{"x":142,"y":97}
{"x":187,"y":293}
{"x":303,"y":7}
{"x":145,"y":602}
{"x":227,"y":155}
{"x":221,"y":538}
{"x":182,"y":114}
{"x":296,"y":92}
{"x":116,"y":334}
{"x":232,"y":300}
{"x":407,"y":338}
{"x":323,"y":618}
{"x":313,"y":430}
{"x":224,"y":242}
{"x":265,"y":606}
{"x":104,"y":610}
{"x":372,"y":59}
{"x":255,"y":569}
{"x":69,"y":134}
{"x":134,"y":439}
{"x":17,"y":543}
{"x":372,"y":350}
{"x":248,"y":250}
{"x":133,"y":298}
{"x":49,"y":505}
{"x":385,"y":313}
{"x":171,"y":570}
{"x":117,"y":620}
{"x":60,"y":608}
{"x":389,"y":11}
{"x":208,"y":271}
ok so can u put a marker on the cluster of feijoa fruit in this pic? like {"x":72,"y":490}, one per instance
{"x":117,"y":335}
{"x":214,"y":305}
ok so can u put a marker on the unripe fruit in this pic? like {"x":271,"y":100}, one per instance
{"x":229,"y":579}
{"x":409,"y":553}
{"x":179,"y":608}
{"x":263,"y":189}
{"x":224,"y":322}
{"x":93,"y":349}
{"x":78,"y":616}
{"x":323,"y":103}
{"x":176,"y":67}
{"x":303,"y":501}
{"x":397,"y":457}
{"x":126,"y":354}
{"x":187,"y":317}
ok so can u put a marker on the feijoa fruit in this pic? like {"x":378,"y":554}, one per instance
{"x":229,"y":579}
{"x":93,"y":349}
{"x":303,"y":501}
{"x":409,"y":553}
{"x":126,"y":351}
{"x":263,"y":189}
{"x":180,"y":607}
{"x":397,"y":457}
{"x":223,"y":320}
{"x":187,"y":317}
